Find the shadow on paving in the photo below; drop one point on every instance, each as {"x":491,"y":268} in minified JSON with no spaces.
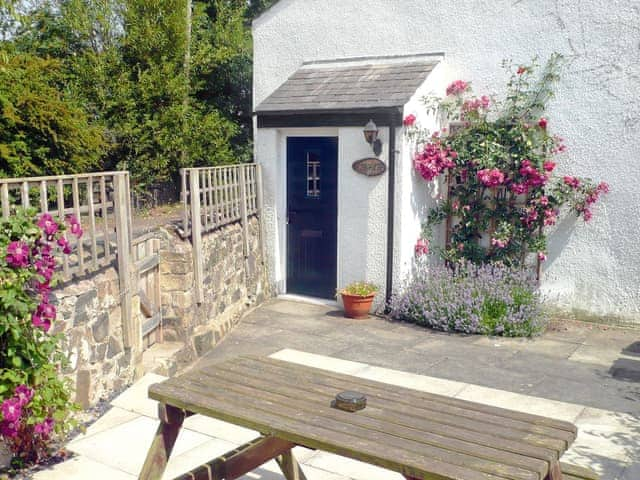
{"x":607,"y":448}
{"x":539,"y":367}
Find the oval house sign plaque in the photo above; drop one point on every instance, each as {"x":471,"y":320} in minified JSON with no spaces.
{"x":371,"y":167}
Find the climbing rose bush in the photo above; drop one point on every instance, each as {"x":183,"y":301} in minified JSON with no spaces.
{"x":501,"y":162}
{"x":490,"y":299}
{"x":35,"y":402}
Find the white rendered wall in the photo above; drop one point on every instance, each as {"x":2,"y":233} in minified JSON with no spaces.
{"x":593,"y":267}
{"x":362,"y":206}
{"x":414,"y":198}
{"x":362,"y":214}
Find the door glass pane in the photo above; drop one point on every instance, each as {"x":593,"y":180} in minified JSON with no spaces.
{"x":313,"y":175}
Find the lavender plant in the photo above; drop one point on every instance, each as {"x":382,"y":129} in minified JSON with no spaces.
{"x":491,"y":299}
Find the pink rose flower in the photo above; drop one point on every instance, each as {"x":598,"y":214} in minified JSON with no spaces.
{"x":422,"y":247}
{"x":457,"y":87}
{"x":542,"y":123}
{"x":573,"y":182}
{"x":433,"y":160}
{"x":491,"y":177}
{"x":496,"y":242}
{"x":542,"y":256}
{"x":519,"y":188}
{"x":409,"y":120}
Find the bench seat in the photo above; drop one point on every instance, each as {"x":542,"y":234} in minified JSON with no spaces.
{"x":573,"y":472}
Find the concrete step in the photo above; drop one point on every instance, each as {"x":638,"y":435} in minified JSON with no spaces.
{"x":162,"y":358}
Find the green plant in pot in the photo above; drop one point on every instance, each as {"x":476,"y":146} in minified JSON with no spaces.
{"x":357,"y":298}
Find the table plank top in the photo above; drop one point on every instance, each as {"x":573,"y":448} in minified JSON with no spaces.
{"x":415,"y":433}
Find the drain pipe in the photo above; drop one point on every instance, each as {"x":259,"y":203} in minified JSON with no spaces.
{"x":391,"y":208}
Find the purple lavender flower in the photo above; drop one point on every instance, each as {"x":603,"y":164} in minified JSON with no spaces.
{"x":491,"y":299}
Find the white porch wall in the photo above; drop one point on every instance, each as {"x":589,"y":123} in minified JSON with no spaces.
{"x":414,"y":197}
{"x":362,"y":214}
{"x":362,"y":206}
{"x":592,"y":267}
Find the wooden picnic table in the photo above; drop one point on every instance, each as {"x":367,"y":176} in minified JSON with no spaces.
{"x":418,"y":434}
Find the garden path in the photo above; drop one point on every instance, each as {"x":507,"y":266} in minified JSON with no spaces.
{"x":585,"y":374}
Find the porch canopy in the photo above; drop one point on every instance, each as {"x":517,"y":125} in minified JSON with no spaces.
{"x":346,"y":92}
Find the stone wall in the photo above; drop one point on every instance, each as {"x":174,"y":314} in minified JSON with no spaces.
{"x":90,"y":318}
{"x":89,"y":313}
{"x":231,"y":285}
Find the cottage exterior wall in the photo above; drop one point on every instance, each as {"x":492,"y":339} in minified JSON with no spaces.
{"x":591,"y":268}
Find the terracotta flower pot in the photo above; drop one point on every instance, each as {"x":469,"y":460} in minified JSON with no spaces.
{"x":356,"y":306}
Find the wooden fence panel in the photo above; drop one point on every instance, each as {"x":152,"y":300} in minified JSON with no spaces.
{"x":224,"y":195}
{"x":216,"y":196}
{"x":101,"y":204}
{"x":88,"y":197}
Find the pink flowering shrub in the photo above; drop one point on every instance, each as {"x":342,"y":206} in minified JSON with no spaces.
{"x":500,"y":160}
{"x":34,"y":401}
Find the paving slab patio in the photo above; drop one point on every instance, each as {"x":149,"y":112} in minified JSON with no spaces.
{"x":583,"y":364}
{"x":607,"y":416}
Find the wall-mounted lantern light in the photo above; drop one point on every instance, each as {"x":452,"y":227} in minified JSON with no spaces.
{"x":371,"y":136}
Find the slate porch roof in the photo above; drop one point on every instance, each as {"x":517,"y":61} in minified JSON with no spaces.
{"x":373,"y":83}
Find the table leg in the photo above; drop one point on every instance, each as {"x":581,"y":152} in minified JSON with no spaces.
{"x":555,"y":473}
{"x":171,"y":420}
{"x":290,"y":467}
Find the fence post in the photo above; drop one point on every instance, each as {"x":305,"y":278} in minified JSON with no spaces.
{"x":185,"y":205}
{"x":131,"y":332}
{"x":260,"y":206}
{"x":245,"y":222}
{"x":196,"y":233}
{"x":243,"y":210}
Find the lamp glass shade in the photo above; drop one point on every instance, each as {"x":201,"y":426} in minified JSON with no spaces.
{"x":370,"y":132}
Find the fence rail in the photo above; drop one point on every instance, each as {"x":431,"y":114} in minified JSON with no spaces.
{"x":216,"y":196}
{"x":90,"y":197}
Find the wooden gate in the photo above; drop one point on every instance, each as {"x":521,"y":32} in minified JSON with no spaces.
{"x":146,"y":257}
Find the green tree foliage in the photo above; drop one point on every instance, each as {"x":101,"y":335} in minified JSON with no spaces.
{"x":121,"y":65}
{"x":42,"y":130}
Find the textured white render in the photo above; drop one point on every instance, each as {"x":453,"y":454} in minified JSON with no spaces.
{"x":594,"y":267}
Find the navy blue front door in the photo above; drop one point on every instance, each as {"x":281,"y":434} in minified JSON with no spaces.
{"x":312,"y":215}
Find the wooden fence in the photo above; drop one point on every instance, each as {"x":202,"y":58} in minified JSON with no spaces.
{"x":101,"y":203}
{"x":216,"y":196}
